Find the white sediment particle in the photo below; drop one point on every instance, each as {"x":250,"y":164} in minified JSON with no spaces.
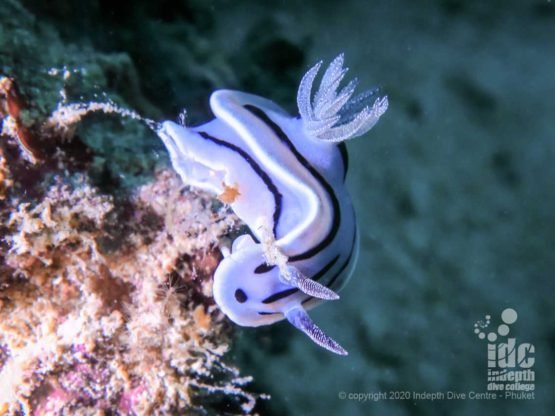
{"x":272,"y":254}
{"x":69,"y":330}
{"x":65,"y":71}
{"x":66,"y":116}
{"x":63,"y":94}
{"x":9,"y":127}
{"x":232,"y":390}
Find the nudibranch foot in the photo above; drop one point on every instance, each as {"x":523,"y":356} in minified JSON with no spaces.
{"x":300,"y":320}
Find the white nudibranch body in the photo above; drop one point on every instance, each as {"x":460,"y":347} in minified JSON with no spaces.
{"x":284,"y":178}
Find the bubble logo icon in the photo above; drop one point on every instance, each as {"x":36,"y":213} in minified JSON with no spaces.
{"x":508,"y":316}
{"x":509,"y":363}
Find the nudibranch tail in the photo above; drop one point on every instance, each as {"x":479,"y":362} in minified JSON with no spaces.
{"x":299,"y":318}
{"x":334,"y":116}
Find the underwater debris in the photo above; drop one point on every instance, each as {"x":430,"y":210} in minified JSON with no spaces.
{"x":30,"y":153}
{"x":133,"y":329}
{"x":105,"y":291}
{"x":64,"y":119}
{"x":5,"y":180}
{"x":106,"y":304}
{"x":11,"y":104}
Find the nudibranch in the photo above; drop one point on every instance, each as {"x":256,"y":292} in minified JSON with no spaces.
{"x":284,"y":177}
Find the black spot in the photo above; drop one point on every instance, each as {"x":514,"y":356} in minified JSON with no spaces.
{"x":453,"y":7}
{"x":279,"y":55}
{"x":504,"y":167}
{"x":414,"y":109}
{"x":544,"y":10}
{"x":474,"y":96}
{"x":268,"y":57}
{"x":263,"y":268}
{"x":240,"y":296}
{"x":405,"y":205}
